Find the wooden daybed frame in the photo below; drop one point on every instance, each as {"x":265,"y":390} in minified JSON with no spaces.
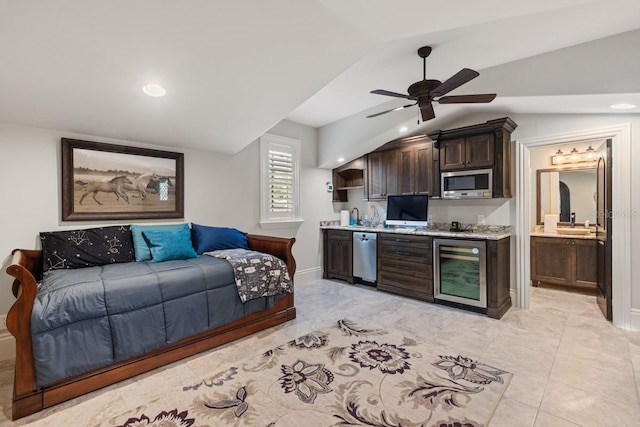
{"x":28,"y":398}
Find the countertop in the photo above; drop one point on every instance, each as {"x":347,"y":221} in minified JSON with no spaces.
{"x":485,"y":232}
{"x":591,"y":236}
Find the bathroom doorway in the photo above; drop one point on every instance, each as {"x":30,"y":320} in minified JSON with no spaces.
{"x":620,"y":224}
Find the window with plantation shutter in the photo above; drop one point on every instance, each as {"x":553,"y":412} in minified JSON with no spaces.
{"x":280,"y":174}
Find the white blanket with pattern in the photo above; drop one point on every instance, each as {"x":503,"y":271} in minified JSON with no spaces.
{"x":257,"y":274}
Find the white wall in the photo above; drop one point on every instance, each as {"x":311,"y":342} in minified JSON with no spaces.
{"x":219,"y":190}
{"x":223,"y":190}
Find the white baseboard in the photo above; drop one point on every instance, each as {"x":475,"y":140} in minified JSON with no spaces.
{"x":512,"y":295}
{"x":308,"y":275}
{"x":7,"y":346}
{"x":635,"y":319}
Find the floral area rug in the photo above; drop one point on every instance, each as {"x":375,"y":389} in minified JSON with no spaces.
{"x":344,"y":375}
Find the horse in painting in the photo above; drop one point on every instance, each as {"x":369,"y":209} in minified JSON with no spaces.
{"x":140,"y":184}
{"x":115,"y":186}
{"x":155,"y":184}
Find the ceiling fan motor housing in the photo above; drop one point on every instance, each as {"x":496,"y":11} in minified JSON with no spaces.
{"x":423,"y":88}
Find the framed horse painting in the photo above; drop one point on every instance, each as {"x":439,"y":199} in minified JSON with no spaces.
{"x":107,"y":181}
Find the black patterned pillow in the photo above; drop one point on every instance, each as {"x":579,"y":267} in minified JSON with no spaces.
{"x":86,"y":248}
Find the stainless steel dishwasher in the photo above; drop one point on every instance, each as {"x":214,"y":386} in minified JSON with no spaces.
{"x":364,"y":256}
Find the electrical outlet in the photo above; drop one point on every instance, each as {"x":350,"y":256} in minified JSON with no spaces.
{"x":3,"y":321}
{"x":480,"y":219}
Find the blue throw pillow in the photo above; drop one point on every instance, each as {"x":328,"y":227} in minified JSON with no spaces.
{"x":206,"y":238}
{"x":140,"y":245}
{"x":167,"y":245}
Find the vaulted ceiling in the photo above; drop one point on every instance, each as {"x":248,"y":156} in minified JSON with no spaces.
{"x":233,"y":69}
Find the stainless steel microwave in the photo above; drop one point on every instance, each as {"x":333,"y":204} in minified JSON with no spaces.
{"x":466,"y":184}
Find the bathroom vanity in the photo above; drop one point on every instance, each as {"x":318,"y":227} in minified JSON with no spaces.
{"x":564,"y":260}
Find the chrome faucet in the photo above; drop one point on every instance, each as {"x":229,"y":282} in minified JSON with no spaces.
{"x":573,"y":219}
{"x":357,"y":215}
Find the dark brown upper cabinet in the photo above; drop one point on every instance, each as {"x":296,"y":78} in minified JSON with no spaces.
{"x":382,"y":174}
{"x":417,"y":171}
{"x":412,"y":165}
{"x":481,"y":146}
{"x":404,"y":166}
{"x":471,"y":152}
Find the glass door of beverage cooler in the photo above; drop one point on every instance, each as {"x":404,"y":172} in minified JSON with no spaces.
{"x":460,"y":271}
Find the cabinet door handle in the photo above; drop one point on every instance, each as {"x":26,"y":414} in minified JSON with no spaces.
{"x":403,"y":267}
{"x":403,"y":253}
{"x":402,"y":240}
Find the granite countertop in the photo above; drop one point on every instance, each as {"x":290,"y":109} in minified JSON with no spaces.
{"x":471,"y":231}
{"x":563,"y":236}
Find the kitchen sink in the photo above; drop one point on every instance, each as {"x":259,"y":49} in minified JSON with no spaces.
{"x":574,"y":231}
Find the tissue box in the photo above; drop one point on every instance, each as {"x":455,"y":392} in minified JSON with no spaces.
{"x":550,"y":223}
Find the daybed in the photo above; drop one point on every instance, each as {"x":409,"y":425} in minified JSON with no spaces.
{"x":215,"y":318}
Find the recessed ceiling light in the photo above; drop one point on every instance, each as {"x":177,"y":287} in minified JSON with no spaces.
{"x":341,"y":159}
{"x":403,"y":129}
{"x":623,"y":106}
{"x":153,"y":89}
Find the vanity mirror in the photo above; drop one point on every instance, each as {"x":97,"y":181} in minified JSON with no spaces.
{"x":563,"y":191}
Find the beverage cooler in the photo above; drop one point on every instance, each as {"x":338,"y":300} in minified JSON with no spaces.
{"x":460,"y":271}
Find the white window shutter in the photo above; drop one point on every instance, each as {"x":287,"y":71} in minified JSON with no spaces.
{"x":280,"y":175}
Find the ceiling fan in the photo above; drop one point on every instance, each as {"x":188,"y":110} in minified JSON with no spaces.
{"x":426,"y":91}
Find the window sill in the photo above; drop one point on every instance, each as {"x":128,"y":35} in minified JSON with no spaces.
{"x":284,"y":223}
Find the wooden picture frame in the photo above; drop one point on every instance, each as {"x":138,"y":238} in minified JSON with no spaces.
{"x":111,"y":182}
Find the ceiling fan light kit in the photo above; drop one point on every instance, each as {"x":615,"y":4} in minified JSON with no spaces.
{"x":427,"y":91}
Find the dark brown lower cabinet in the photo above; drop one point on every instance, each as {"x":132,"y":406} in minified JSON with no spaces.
{"x":338,"y":255}
{"x":405,"y":265}
{"x":564,"y":262}
{"x":498,"y":277}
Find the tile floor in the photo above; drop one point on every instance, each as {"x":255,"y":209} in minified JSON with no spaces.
{"x":572,"y":368}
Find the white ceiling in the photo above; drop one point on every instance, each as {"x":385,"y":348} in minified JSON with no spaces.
{"x":232,"y":70}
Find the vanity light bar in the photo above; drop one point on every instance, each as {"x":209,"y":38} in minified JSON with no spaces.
{"x":575,"y":156}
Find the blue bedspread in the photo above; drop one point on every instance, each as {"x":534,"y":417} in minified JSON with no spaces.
{"x":91,"y":317}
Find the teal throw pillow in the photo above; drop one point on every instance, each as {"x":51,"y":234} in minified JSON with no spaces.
{"x":167,"y":245}
{"x":140,"y":245}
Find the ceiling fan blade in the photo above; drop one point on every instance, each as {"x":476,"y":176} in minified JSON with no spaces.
{"x":393,"y":109}
{"x":455,"y":81}
{"x":464,"y":99}
{"x":389,"y":93}
{"x":427,"y":112}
